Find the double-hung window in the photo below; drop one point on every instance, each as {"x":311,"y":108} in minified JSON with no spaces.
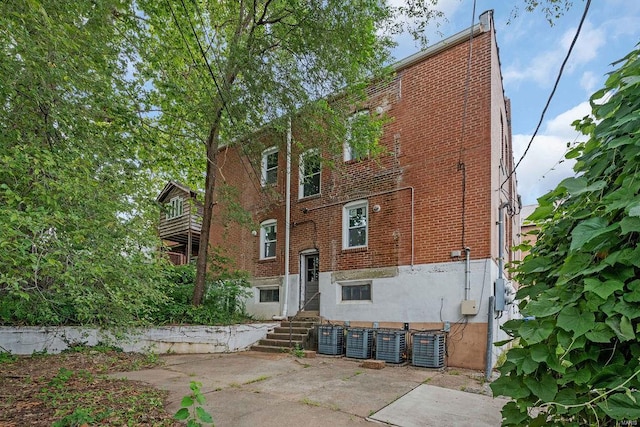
{"x":268,"y":239}
{"x":175,"y":208}
{"x":353,"y":144}
{"x":270,"y":166}
{"x":309,"y":174}
{"x":355,"y":224}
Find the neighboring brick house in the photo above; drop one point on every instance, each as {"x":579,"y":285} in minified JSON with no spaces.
{"x":386,"y":240}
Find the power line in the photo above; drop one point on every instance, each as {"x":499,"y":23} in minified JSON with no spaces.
{"x":555,"y":86}
{"x":204,"y":57}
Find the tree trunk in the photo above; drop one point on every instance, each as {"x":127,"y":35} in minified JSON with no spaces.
{"x":207,"y":215}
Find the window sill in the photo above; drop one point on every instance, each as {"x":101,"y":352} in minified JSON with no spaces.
{"x":357,"y":301}
{"x":266,"y":260}
{"x":312,"y":197}
{"x":354,"y":250}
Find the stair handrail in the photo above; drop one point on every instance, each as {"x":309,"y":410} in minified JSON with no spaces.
{"x":301,"y":309}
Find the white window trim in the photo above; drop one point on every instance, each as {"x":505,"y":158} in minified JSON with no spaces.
{"x":345,"y":223}
{"x":348,"y":154}
{"x":355,"y":301}
{"x":263,"y":236}
{"x":176,"y":207}
{"x":301,"y":175}
{"x":265,"y":155}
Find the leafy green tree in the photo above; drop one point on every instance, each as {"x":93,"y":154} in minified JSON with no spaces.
{"x":76,"y":239}
{"x":221,"y":70}
{"x":577,"y":358}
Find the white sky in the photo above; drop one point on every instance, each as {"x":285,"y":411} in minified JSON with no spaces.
{"x":531,"y":52}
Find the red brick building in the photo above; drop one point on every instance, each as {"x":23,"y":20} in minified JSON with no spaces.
{"x":411,"y":236}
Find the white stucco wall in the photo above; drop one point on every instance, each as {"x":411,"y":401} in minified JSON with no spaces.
{"x":177,"y":339}
{"x":267,"y":310}
{"x":424,"y":293}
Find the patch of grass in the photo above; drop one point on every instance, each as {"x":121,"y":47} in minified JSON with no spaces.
{"x":297,"y":351}
{"x":454,"y":372}
{"x":86,"y":349}
{"x":7,"y":357}
{"x":427,"y":381}
{"x":257,"y":380}
{"x":310,"y":402}
{"x":235,"y":385}
{"x":355,"y":374}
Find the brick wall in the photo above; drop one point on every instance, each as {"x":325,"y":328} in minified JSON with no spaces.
{"x":433,"y":148}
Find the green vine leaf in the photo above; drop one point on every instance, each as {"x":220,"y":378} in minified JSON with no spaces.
{"x":535,"y":331}
{"x":600,"y":333}
{"x":588,"y":230}
{"x":545,"y":387}
{"x":603,"y":289}
{"x":621,"y":406}
{"x":572,"y":319}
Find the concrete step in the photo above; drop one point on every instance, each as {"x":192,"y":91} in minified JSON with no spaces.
{"x":294,"y":330}
{"x":269,"y":349}
{"x":285,"y":336}
{"x":298,"y":324}
{"x":280,"y":343}
{"x":315,"y":314}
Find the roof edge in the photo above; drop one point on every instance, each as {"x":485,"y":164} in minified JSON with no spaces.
{"x":485,"y":25}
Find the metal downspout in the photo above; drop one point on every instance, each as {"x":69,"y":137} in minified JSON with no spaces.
{"x":287,"y":221}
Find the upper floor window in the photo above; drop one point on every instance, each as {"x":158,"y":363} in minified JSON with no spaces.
{"x":175,"y":207}
{"x":270,"y":166}
{"x":355,"y":224}
{"x":309,"y":174}
{"x":353,"y":149}
{"x":268,"y":239}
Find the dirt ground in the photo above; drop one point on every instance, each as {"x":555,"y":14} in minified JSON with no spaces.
{"x":71,"y":389}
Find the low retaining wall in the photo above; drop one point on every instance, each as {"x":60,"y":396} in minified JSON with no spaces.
{"x":168,"y":339}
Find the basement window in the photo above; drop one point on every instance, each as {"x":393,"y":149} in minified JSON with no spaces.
{"x":356,"y":292}
{"x":270,"y":295}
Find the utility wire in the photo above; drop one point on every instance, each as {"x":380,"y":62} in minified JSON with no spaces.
{"x":555,"y":86}
{"x":184,"y":39}
{"x":204,"y":57}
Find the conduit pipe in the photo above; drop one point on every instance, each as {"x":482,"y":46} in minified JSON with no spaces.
{"x":467,"y":273}
{"x":501,"y":239}
{"x":489,"y":363}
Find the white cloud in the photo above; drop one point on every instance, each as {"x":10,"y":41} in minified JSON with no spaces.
{"x":543,"y":67}
{"x":560,"y":125}
{"x":545,"y":166}
{"x":589,"y":81}
{"x":589,"y":41}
